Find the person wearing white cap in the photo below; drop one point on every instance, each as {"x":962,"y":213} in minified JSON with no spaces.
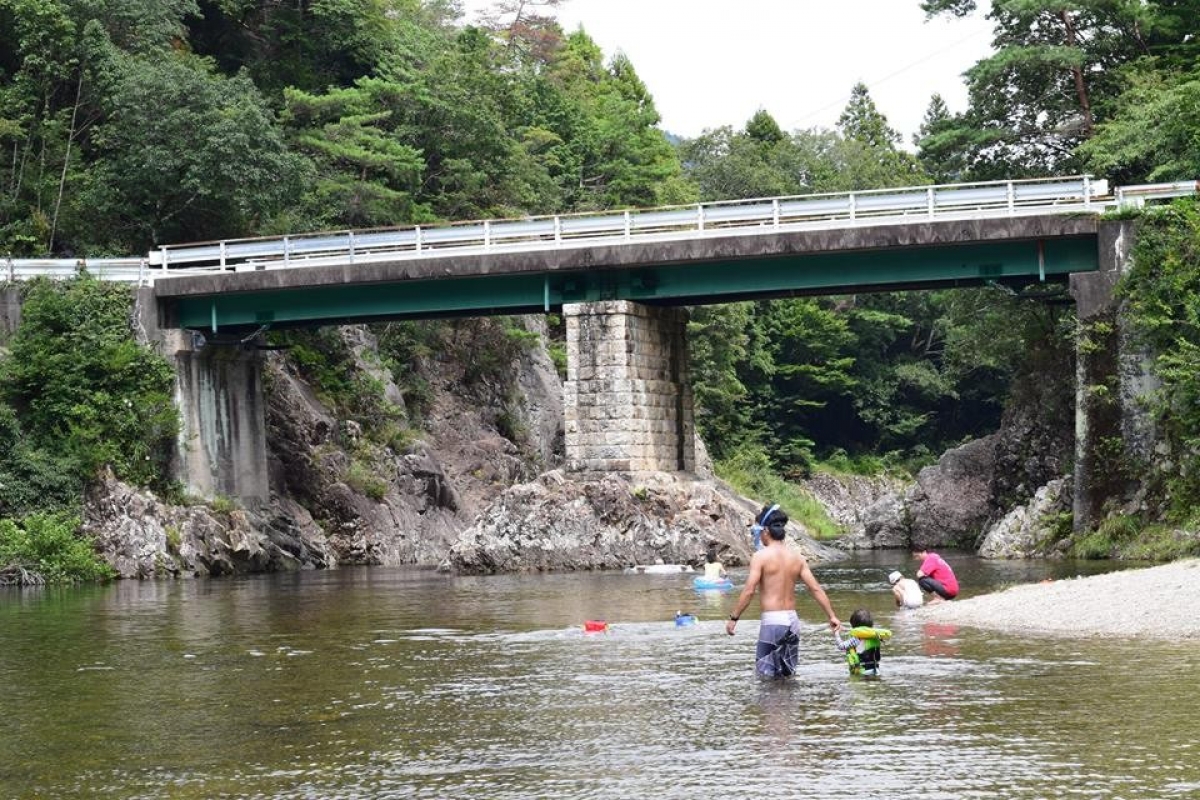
{"x":905,"y":590}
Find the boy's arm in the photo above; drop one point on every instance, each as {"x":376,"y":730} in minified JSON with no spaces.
{"x":747,"y":593}
{"x":814,"y":588}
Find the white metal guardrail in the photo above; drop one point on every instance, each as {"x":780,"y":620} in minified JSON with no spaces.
{"x":992,"y":199}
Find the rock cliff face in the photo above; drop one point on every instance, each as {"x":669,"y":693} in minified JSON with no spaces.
{"x":142,"y":537}
{"x":424,"y":495}
{"x":998,"y":480}
{"x":479,"y":490}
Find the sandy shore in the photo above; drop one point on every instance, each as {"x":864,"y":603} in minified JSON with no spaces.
{"x":1156,"y":601}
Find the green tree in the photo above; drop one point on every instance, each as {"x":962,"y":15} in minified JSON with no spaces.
{"x":623,"y":158}
{"x":367,"y":176}
{"x":83,"y":389}
{"x":719,"y":347}
{"x":763,"y":128}
{"x":1051,"y":79}
{"x":1152,"y":134}
{"x":942,"y":143}
{"x":311,"y":45}
{"x":56,"y":74}
{"x":870,"y":146}
{"x":185,"y":154}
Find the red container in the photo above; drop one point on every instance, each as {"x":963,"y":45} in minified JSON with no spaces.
{"x":595,"y":626}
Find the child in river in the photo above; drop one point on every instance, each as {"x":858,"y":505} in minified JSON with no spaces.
{"x":905,"y":590}
{"x":714,"y":570}
{"x":862,"y":645}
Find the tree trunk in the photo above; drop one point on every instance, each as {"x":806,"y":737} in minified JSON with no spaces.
{"x":62,"y":179}
{"x":1080,"y":87}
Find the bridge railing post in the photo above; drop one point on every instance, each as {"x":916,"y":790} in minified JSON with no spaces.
{"x":222,"y":254}
{"x":628,"y":225}
{"x":931,"y":202}
{"x":164,"y":253}
{"x":12,"y":274}
{"x":487,"y":235}
{"x":1087,"y":191}
{"x":557,"y":230}
{"x":775,"y":213}
{"x":700,"y":217}
{"x":287,"y":252}
{"x":350,"y":245}
{"x":853,"y":200}
{"x":418,"y":230}
{"x":1011,"y":193}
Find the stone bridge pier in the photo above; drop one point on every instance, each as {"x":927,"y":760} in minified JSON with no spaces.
{"x":628,"y":401}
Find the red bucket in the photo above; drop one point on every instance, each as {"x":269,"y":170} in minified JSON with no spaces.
{"x":595,"y":626}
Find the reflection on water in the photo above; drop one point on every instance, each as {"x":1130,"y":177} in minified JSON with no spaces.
{"x":378,"y":683}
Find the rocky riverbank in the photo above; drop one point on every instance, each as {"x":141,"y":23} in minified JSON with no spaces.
{"x":1157,"y":602}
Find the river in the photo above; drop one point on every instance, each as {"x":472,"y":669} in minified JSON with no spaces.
{"x":404,"y":683}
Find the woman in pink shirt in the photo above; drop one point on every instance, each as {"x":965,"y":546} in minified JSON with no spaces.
{"x":935,"y":576}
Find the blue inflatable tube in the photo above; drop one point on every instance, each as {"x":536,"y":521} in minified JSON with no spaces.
{"x":701,"y":582}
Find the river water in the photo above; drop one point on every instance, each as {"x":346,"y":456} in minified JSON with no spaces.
{"x":398,"y":683}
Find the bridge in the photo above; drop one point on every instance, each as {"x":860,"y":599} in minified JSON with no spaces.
{"x":620,"y":279}
{"x":926,"y":236}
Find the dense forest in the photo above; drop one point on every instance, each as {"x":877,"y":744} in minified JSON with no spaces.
{"x":125,"y":124}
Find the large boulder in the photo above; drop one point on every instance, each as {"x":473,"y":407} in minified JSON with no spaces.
{"x":611,"y":522}
{"x":949,"y":505}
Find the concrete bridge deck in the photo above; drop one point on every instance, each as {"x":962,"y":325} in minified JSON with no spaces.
{"x":717,"y":268}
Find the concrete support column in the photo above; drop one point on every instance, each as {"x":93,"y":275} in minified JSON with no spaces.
{"x":222,"y":447}
{"x":628,"y":403}
{"x":10,"y":312}
{"x":1114,"y":431}
{"x":223,"y":441}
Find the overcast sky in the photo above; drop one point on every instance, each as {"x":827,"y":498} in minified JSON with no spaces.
{"x":715,"y":62}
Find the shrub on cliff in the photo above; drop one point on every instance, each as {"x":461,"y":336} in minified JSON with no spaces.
{"x":1163,"y":295}
{"x":46,"y":548}
{"x":80,"y":393}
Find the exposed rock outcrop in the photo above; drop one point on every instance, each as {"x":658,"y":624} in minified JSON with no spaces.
{"x":141,"y":537}
{"x":1031,"y":529}
{"x":948,"y":505}
{"x":955,"y":502}
{"x":611,"y":522}
{"x":846,"y":498}
{"x":380,"y":506}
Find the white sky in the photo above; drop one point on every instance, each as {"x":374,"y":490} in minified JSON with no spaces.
{"x":715,"y":62}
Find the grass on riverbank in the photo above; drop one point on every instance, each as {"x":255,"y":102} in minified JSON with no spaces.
{"x":750,"y":474}
{"x":1128,"y":538}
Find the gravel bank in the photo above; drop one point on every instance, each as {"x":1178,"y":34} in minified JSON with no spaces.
{"x":1159,"y":602}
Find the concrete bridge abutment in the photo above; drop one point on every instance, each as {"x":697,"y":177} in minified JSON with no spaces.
{"x":1115,"y":432}
{"x":628,"y":401}
{"x":222,"y":446}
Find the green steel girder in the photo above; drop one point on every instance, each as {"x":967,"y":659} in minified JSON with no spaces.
{"x":662,"y":284}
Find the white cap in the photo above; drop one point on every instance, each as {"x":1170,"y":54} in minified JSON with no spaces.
{"x":894,"y":576}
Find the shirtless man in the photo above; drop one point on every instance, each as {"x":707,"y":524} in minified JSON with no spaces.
{"x":776,"y":568}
